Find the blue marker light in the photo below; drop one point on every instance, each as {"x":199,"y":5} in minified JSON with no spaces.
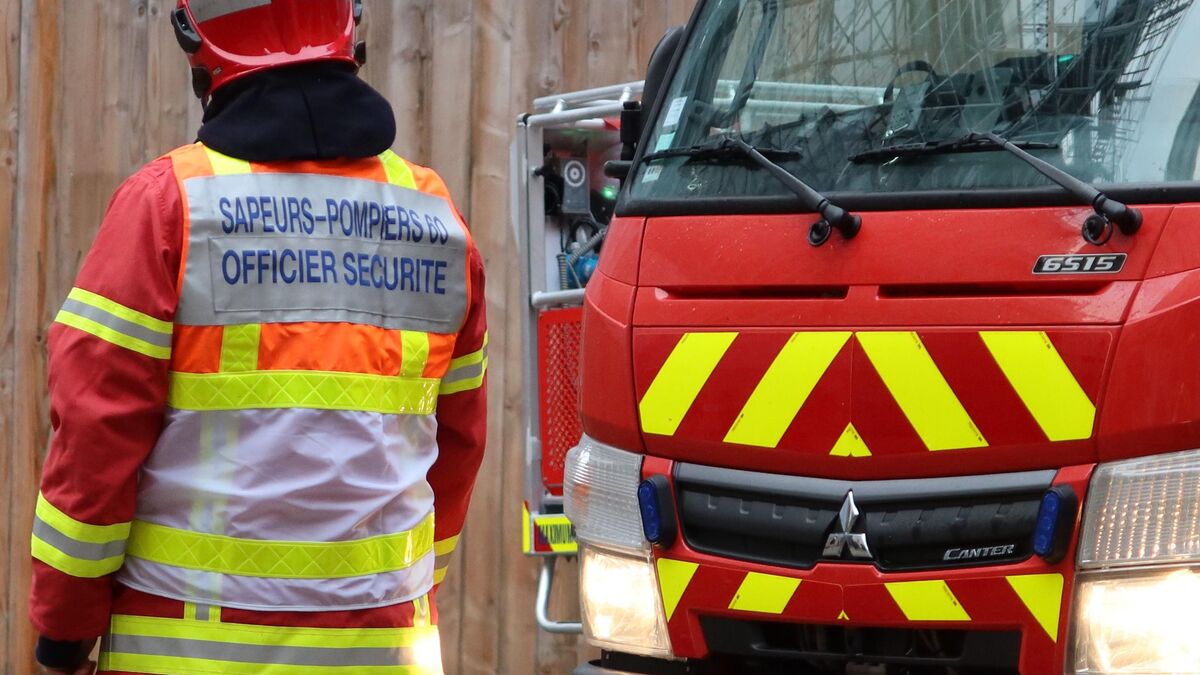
{"x":1047,"y":523}
{"x":651,"y":512}
{"x":1055,"y":523}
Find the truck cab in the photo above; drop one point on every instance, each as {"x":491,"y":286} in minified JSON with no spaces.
{"x":891,"y":360}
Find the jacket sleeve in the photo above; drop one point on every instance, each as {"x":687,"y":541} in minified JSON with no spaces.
{"x":462,"y":425}
{"x":109,"y":350}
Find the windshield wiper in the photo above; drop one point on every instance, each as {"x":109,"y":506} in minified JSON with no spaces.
{"x":969,"y":143}
{"x":1097,"y":229}
{"x":833,"y":217}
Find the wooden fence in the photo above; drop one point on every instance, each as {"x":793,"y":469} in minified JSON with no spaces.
{"x":91,"y":89}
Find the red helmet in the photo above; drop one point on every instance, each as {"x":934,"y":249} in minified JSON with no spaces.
{"x":228,"y":39}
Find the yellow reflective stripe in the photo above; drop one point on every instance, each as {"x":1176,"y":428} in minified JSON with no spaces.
{"x":70,"y":565}
{"x":674,"y":576}
{"x":764,"y":593}
{"x":398,"y":171}
{"x":680,"y":380}
{"x":1044,"y":383}
{"x":280,"y":559}
{"x":526,"y":530}
{"x":445,"y":546}
{"x":415,"y":356}
{"x":239,"y":348}
{"x":785,"y":387}
{"x":472,"y":358}
{"x":224,"y":165}
{"x":1042,"y":595}
{"x":466,"y":372}
{"x":112,"y":336}
{"x":921,"y":391}
{"x":558,"y":532}
{"x":80,"y":531}
{"x":244,"y":634}
{"x":439,"y":575}
{"x":189,"y":611}
{"x":180,"y":665}
{"x":214,"y":615}
{"x":121,"y":311}
{"x":927,"y":601}
{"x":303,"y":389}
{"x":850,"y":444}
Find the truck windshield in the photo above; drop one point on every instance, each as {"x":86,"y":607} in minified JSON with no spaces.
{"x":1107,"y":90}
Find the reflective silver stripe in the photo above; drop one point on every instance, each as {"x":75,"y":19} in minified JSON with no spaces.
{"x":82,"y":550}
{"x":202,"y":612}
{"x":333,"y":249}
{"x":263,"y":654}
{"x":117,"y":323}
{"x":466,"y":372}
{"x":442,"y":561}
{"x":207,"y":10}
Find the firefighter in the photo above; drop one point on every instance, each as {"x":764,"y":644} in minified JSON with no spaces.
{"x":268,"y":383}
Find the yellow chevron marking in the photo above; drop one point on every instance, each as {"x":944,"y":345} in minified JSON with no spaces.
{"x":1042,"y":595}
{"x":843,"y":616}
{"x":764,"y":593}
{"x":558,"y":532}
{"x":850,"y":444}
{"x":526,"y":527}
{"x":1046,"y":386}
{"x":673,"y":578}
{"x":921,"y":391}
{"x":784,"y":389}
{"x":680,"y":379}
{"x":927,"y":601}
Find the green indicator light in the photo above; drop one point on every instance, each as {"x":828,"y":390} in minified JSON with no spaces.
{"x":609,"y":192}
{"x":1066,"y":58}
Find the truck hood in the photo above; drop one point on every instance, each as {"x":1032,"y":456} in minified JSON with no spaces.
{"x":927,"y":345}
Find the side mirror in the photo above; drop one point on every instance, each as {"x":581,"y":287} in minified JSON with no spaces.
{"x":633,"y":117}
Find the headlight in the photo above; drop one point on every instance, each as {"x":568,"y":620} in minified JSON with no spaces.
{"x":621,"y":606}
{"x":621,"y":603}
{"x":1139,"y":624}
{"x":1138,"y":601}
{"x":600,"y":485}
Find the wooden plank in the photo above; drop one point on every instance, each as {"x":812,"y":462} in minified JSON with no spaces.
{"x":449,"y":83}
{"x":611,"y":51}
{"x":484,"y":560}
{"x":447,"y":121}
{"x":167,"y":100}
{"x":679,"y":11}
{"x":397,"y":58}
{"x":571,"y":18}
{"x":34,"y":211}
{"x":650,"y":22}
{"x":518,"y":575}
{"x":10,"y":101}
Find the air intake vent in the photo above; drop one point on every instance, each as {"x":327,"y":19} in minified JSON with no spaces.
{"x":909,"y":524}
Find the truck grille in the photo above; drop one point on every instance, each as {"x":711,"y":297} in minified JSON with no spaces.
{"x":766,"y":647}
{"x":909,"y":524}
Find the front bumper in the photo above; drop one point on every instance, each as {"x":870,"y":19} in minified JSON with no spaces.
{"x":1018,"y":607}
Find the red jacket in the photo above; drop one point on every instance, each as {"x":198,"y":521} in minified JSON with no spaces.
{"x":108,"y":400}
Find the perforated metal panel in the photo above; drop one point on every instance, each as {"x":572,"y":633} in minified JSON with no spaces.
{"x":559,"y":333}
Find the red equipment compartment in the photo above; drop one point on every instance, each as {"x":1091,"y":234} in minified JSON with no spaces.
{"x":559,"y":337}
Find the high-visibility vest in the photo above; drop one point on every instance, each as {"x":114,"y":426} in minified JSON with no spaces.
{"x":318,"y":310}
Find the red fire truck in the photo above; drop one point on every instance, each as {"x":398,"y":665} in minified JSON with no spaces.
{"x":891,"y":360}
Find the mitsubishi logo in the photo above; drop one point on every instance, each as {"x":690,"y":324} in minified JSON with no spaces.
{"x":838,"y":542}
